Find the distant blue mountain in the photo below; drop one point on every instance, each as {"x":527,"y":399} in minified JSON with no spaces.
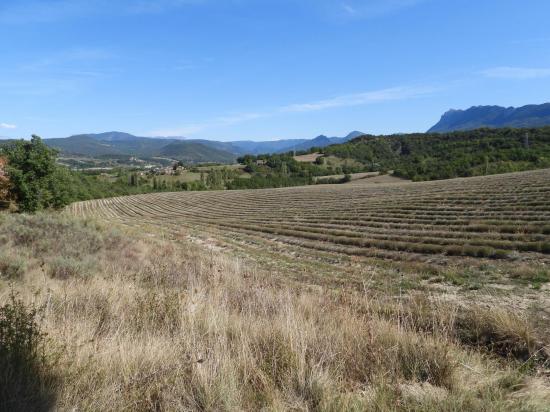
{"x":494,"y":116}
{"x":189,"y":150}
{"x":241,"y":147}
{"x":323,"y":141}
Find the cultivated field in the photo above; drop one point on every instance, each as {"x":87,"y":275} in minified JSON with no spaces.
{"x":501,"y":220}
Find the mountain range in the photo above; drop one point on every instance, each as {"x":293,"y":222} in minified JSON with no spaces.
{"x":494,"y":116}
{"x":117,"y":144}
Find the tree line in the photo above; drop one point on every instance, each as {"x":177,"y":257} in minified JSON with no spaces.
{"x":422,"y":156}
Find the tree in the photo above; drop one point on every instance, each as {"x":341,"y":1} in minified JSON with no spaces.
{"x":284,"y":170}
{"x":36,"y":182}
{"x":4,"y":182}
{"x":134,"y":179}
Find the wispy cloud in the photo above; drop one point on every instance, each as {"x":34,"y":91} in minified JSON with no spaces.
{"x":63,"y":71}
{"x":516,"y":73}
{"x":532,"y":40}
{"x":45,"y":11}
{"x":72,"y":58}
{"x":159,"y":6}
{"x":347,"y":100}
{"x":359,"y":99}
{"x":370,"y":9}
{"x":33,"y":11}
{"x":44,"y":86}
{"x":7,"y":126}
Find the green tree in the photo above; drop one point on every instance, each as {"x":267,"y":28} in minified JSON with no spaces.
{"x":36,"y":181}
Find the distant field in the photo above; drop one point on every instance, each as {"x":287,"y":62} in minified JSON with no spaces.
{"x":235,"y":166}
{"x":183,"y":177}
{"x":502,"y":218}
{"x":308,"y":158}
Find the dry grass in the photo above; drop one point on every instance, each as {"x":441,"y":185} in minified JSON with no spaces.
{"x":153,"y":325}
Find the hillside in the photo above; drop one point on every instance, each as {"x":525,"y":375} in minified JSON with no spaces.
{"x":428,"y":296}
{"x":421,"y":156}
{"x":494,"y":116}
{"x":192,"y":151}
{"x":114,"y":144}
{"x":83,"y":145}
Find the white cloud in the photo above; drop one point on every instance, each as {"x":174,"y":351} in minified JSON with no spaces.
{"x":516,"y":73}
{"x":359,"y":99}
{"x":7,"y":126}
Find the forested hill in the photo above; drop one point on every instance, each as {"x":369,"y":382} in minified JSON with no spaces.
{"x":532,"y":115}
{"x":446,"y":155}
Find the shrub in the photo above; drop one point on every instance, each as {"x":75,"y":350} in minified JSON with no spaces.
{"x":66,"y":267}
{"x":25,"y":377}
{"x":426,"y":361}
{"x":498,"y":331}
{"x":545,"y":247}
{"x":11,"y":267}
{"x":454,"y":250}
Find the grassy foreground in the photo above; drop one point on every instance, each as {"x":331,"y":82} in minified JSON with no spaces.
{"x":127,"y":321}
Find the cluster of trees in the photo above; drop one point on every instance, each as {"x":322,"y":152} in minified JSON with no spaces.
{"x":281,"y":170}
{"x":448,"y":155}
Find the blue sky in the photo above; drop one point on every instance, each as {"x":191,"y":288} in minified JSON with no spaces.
{"x":263,"y":69}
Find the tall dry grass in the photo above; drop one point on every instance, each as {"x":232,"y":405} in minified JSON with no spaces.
{"x":138,"y":323}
